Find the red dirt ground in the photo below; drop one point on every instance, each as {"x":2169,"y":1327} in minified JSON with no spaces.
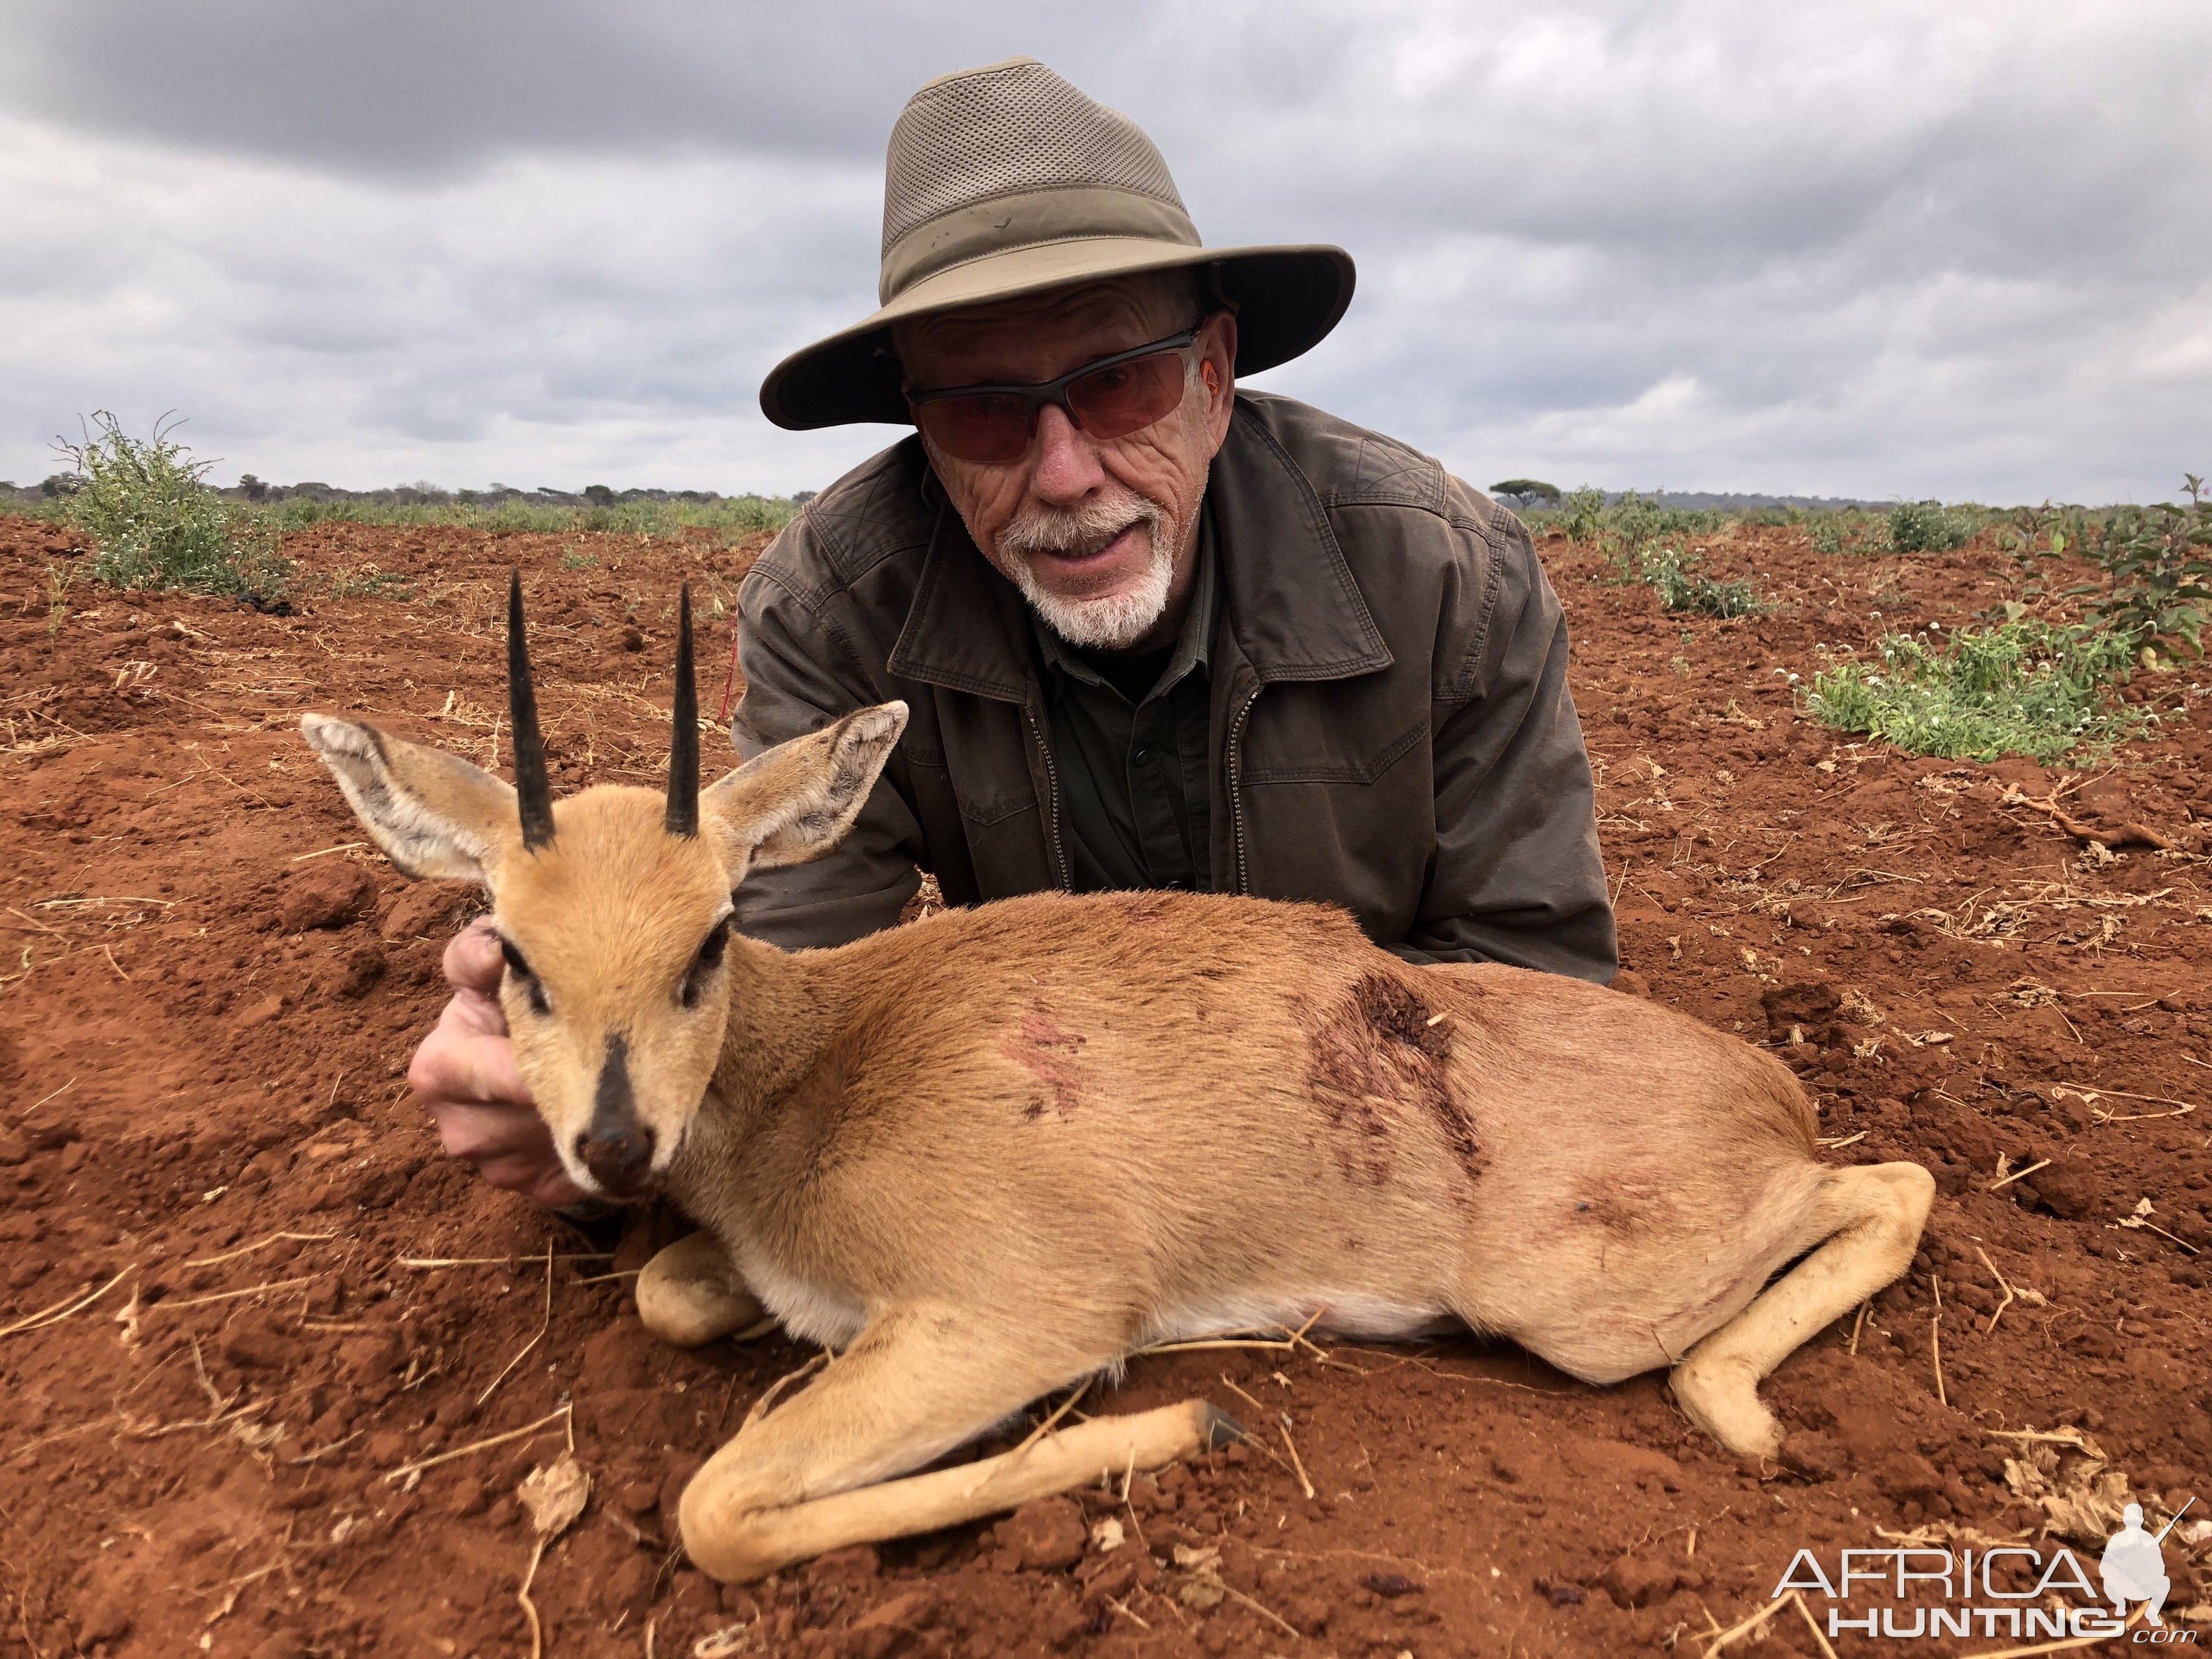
{"x":209,"y":997}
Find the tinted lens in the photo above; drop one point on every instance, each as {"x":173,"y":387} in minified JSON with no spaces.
{"x":990,"y":427}
{"x":1118,"y":400}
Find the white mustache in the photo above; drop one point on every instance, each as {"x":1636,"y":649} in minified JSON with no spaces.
{"x":1079,"y":531}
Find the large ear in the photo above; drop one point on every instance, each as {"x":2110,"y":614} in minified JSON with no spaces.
{"x":433,"y":813}
{"x":797,"y":800}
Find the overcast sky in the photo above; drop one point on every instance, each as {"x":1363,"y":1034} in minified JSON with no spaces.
{"x":1961,"y":249}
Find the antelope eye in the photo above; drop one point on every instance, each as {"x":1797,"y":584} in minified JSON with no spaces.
{"x":534,"y":991}
{"x":704,"y":965}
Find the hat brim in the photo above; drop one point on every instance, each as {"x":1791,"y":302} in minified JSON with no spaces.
{"x":1287,"y":300}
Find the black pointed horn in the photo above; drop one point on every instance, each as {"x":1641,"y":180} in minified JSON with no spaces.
{"x":683,"y":749}
{"x":533,"y":792}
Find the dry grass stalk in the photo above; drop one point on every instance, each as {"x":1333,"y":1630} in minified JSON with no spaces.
{"x":1298,"y":1336}
{"x":1936,"y":1341}
{"x":1267,"y":1613}
{"x":485,"y":1444}
{"x":1754,"y":1626}
{"x":545,"y":1325}
{"x":1241,"y":1395}
{"x":529,"y":1608}
{"x":1217,"y":1342}
{"x":343,"y":847}
{"x":2089,"y":1094}
{"x":425,"y":1263}
{"x":1814,"y":1625}
{"x":1298,"y":1463}
{"x":1858,"y":1325}
{"x":321,"y":1452}
{"x":64,"y":1307}
{"x":58,"y":1093}
{"x":2002,"y":1283}
{"x":250,"y":1289}
{"x":248,"y":1249}
{"x":2007,"y":1181}
{"x":1133,"y":1618}
{"x":1035,"y":1435}
{"x":774,"y":1390}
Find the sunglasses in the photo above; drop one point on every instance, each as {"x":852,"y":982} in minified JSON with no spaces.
{"x":1111,"y":397}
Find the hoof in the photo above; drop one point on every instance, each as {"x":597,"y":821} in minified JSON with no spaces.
{"x":1721,"y":1396}
{"x":690,"y":1294}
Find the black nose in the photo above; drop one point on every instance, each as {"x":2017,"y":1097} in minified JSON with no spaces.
{"x":617,"y":1153}
{"x":617,"y":1148}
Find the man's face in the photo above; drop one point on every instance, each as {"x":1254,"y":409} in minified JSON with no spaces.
{"x":1098,"y":534}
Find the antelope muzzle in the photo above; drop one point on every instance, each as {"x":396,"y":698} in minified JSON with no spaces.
{"x":617,"y":1146}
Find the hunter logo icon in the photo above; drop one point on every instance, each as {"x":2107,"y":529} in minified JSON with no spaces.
{"x":2134,"y":1564}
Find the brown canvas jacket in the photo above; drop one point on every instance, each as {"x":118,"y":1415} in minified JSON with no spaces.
{"x":1391,"y":727}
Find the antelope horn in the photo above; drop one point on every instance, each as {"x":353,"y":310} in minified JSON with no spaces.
{"x":684,"y":749}
{"x":533,"y":792}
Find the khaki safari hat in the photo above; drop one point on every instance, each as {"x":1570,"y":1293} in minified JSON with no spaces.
{"x":1006,"y":180}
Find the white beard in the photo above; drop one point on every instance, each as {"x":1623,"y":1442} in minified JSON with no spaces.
{"x":1115,"y":620}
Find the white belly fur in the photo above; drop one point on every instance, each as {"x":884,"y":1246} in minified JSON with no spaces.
{"x":1354,"y":1314}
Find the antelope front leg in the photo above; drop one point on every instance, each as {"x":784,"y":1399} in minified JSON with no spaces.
{"x":690,"y":1293}
{"x":915,"y":1384}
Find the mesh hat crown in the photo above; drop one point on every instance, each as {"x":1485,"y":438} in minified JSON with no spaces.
{"x":1007,"y":180}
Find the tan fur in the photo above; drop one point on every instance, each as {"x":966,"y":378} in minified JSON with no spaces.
{"x":991,"y":1153}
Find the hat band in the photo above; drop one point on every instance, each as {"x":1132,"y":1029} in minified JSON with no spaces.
{"x":1008,"y":224}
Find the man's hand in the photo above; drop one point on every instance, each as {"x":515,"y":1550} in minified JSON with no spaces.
{"x":464,"y":1073}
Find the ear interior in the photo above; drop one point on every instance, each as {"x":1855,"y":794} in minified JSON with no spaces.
{"x":797,"y":800}
{"x":433,"y":814}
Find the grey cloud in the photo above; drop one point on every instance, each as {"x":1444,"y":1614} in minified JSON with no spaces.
{"x":1850,"y":249}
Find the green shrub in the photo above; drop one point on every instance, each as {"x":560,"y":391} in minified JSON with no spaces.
{"x":1673,"y":576}
{"x":145,"y":505}
{"x":2023,"y":687}
{"x":2157,"y":562}
{"x":1581,"y":512}
{"x":1926,"y":527}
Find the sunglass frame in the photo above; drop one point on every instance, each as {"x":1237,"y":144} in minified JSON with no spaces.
{"x":1035,"y":398}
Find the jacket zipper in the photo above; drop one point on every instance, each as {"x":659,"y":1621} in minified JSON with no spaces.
{"x":1236,"y":795}
{"x":1052,"y":802}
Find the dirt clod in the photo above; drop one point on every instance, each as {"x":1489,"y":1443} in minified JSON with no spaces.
{"x":329,"y":893}
{"x":1046,"y":1534}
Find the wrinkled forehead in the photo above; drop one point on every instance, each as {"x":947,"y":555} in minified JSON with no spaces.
{"x":1040,"y":336}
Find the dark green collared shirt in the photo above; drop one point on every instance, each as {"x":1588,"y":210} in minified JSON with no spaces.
{"x":1128,"y":742}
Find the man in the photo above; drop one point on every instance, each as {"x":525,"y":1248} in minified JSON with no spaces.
{"x":1153,"y":633}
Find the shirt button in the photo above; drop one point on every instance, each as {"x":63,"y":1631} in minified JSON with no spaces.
{"x":1144,"y":757}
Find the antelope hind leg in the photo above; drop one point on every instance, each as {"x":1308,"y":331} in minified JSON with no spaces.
{"x":690,"y":1293}
{"x":814,"y":1475}
{"x":1880,"y":1209}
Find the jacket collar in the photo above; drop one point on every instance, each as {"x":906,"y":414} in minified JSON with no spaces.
{"x":1287,"y":595}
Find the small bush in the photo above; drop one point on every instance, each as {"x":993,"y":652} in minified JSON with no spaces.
{"x":2157,"y":561}
{"x":1680,"y":586}
{"x":2024,"y":687}
{"x":145,"y":505}
{"x":1926,"y":527}
{"x":1581,"y":514}
{"x":1838,"y":530}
